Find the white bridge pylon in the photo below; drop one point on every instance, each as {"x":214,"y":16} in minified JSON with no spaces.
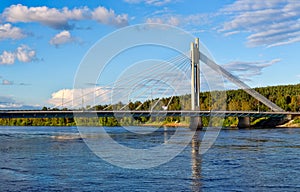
{"x":195,"y":75}
{"x":234,"y":80}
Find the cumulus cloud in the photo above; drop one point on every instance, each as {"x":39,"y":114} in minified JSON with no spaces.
{"x":7,"y":31}
{"x":51,"y":17}
{"x":108,"y":17}
{"x":245,"y":70}
{"x":23,"y":54}
{"x":7,"y":58}
{"x":75,"y":98}
{"x":61,"y":38}
{"x":268,"y":23}
{"x":60,"y":18}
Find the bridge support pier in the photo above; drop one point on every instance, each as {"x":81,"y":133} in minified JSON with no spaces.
{"x":196,"y":123}
{"x":244,"y":122}
{"x":292,"y":116}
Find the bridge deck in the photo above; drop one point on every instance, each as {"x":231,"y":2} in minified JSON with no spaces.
{"x":71,"y":114}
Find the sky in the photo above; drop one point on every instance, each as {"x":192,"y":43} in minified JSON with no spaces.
{"x":44,"y":42}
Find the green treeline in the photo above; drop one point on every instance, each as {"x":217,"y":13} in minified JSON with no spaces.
{"x":287,"y":97}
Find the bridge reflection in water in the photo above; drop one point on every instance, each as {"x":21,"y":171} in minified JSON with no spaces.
{"x":196,"y":159}
{"x":196,"y":162}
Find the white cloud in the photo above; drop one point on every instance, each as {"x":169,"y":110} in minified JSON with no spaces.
{"x":245,"y":70}
{"x":246,"y":5}
{"x":7,"y":31}
{"x":108,"y":17}
{"x":149,"y":2}
{"x":61,"y":38}
{"x":231,"y":33}
{"x":9,"y":103}
{"x":23,"y":54}
{"x":180,"y":20}
{"x":7,"y":82}
{"x":60,"y":18}
{"x":288,"y":41}
{"x":172,"y":20}
{"x":75,"y":98}
{"x":51,"y":17}
{"x":7,"y":58}
{"x":133,"y":1}
{"x":268,"y":23}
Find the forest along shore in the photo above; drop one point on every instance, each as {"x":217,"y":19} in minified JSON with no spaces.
{"x":285,"y":96}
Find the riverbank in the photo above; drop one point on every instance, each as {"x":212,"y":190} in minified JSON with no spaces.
{"x":295,"y":123}
{"x":290,"y":124}
{"x":170,"y":124}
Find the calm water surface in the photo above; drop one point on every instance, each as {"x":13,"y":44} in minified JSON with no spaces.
{"x":57,"y":159}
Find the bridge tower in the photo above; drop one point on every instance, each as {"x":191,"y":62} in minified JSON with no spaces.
{"x":196,"y":122}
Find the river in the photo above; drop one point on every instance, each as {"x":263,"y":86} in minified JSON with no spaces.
{"x":57,"y":159}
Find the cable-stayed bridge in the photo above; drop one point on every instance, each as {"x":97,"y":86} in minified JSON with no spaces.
{"x":177,"y":76}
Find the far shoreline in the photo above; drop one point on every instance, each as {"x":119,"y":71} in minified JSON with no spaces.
{"x":289,"y":124}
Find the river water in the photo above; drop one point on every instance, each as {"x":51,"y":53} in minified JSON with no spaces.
{"x":57,"y":159}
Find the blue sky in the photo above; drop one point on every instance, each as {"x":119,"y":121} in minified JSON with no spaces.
{"x":43,"y":42}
